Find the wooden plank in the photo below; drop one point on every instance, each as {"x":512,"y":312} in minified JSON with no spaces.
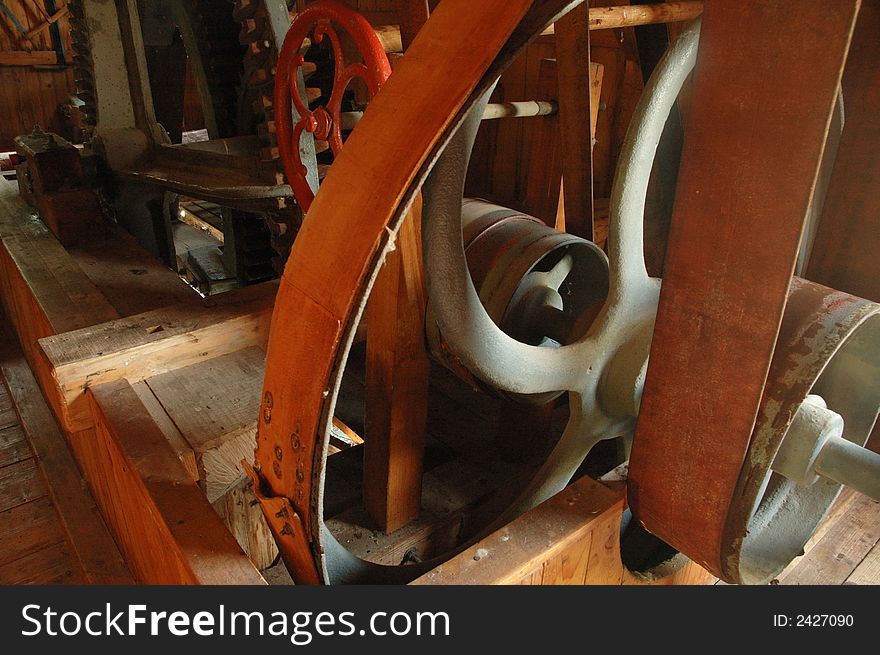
{"x":160,"y":518}
{"x":43,"y":291}
{"x":28,"y":528}
{"x":215,"y":405}
{"x":20,"y":483}
{"x":32,"y":58}
{"x":868,"y":571}
{"x":844,"y":250}
{"x":723,"y":295}
{"x":88,"y":537}
{"x":835,"y":557}
{"x":604,"y":564}
{"x":13,"y":446}
{"x":48,"y":22}
{"x":508,"y":141}
{"x":110,"y":268}
{"x":543,"y":184}
{"x":175,"y":439}
{"x":131,"y":279}
{"x":513,"y":552}
{"x":29,"y":97}
{"x":569,"y":567}
{"x":397,"y":382}
{"x":53,"y":564}
{"x":241,"y":513}
{"x":8,"y":417}
{"x":63,"y":294}
{"x":575,"y":102}
{"x":148,"y":344}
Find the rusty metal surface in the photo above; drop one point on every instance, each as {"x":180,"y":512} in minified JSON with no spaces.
{"x":759,"y":114}
{"x":829,"y":345}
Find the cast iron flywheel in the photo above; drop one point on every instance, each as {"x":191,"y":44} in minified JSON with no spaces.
{"x":418,"y":132}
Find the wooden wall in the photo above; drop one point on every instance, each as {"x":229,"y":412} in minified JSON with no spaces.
{"x":508,"y":151}
{"x":30,"y":93}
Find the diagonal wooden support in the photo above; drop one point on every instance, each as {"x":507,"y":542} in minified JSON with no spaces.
{"x":756,"y":132}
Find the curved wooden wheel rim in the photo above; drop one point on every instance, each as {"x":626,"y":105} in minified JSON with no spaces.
{"x":320,"y":300}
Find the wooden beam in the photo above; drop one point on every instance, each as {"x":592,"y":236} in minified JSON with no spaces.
{"x":141,"y":346}
{"x":161,"y":519}
{"x":32,"y":58}
{"x":396,"y":382}
{"x":215,"y":405}
{"x":606,"y":18}
{"x":844,"y":253}
{"x":48,"y":22}
{"x":544,"y":181}
{"x":575,"y":102}
{"x":412,"y":14}
{"x":571,"y":539}
{"x":397,"y":361}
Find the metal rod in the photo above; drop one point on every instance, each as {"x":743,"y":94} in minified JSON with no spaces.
{"x":519,"y":109}
{"x":348,"y":119}
{"x":850,"y":464}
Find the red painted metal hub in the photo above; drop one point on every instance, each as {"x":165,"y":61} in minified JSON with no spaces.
{"x":321,"y":20}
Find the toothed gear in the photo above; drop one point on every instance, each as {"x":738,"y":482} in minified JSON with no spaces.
{"x":256,"y":115}
{"x":83,"y":67}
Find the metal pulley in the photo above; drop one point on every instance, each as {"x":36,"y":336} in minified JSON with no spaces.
{"x":820,"y":403}
{"x":540,"y":286}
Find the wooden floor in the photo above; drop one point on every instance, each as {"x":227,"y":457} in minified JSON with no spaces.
{"x":50,"y":530}
{"x":846,"y":550}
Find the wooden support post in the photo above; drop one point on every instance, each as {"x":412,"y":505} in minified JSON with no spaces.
{"x":396,"y":383}
{"x":544,"y":182}
{"x":412,"y":15}
{"x":397,"y":362}
{"x":573,"y":73}
{"x":845,"y":247}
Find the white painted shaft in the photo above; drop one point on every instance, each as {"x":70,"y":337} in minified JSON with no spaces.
{"x":814,"y":446}
{"x":848,"y":463}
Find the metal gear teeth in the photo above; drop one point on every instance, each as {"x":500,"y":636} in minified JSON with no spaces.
{"x":84,"y":76}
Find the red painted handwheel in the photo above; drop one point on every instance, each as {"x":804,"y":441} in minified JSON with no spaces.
{"x":321,"y":20}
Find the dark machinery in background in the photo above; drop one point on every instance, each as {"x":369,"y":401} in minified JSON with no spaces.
{"x":135,"y":114}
